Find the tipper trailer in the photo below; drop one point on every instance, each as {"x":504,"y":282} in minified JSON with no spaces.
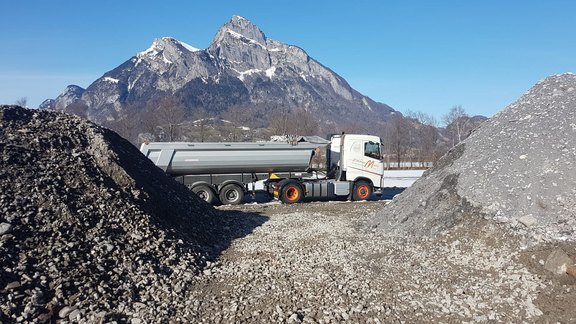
{"x":352,"y":168}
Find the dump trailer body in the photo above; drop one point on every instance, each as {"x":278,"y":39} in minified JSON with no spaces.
{"x":177,"y":158}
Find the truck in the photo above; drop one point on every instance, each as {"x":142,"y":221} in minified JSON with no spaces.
{"x":351,"y":166}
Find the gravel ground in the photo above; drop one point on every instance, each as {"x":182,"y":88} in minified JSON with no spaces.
{"x":91,"y":231}
{"x":315,"y":262}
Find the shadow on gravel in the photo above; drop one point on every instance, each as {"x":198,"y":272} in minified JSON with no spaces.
{"x":386,"y":194}
{"x":173,"y":207}
{"x":236,"y":224}
{"x":389,"y":193}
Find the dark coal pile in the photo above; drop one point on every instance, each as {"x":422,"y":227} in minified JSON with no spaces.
{"x":518,"y":169}
{"x":90,"y":230}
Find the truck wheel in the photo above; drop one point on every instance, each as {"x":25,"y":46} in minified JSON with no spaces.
{"x":205,"y":193}
{"x":362,"y":191}
{"x":231,"y":194}
{"x":291,"y":193}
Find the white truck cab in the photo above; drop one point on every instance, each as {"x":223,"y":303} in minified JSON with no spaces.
{"x":358,"y":157}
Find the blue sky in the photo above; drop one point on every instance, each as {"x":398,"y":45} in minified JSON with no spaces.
{"x":413,"y":55}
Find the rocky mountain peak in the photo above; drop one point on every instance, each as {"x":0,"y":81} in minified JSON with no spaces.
{"x":71,"y":94}
{"x":166,"y":47}
{"x":47,"y":104}
{"x":241,"y":68}
{"x":73,"y":90}
{"x":240,"y":45}
{"x":240,"y":28}
{"x":163,"y":43}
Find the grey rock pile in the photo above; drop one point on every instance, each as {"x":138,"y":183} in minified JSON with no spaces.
{"x":518,"y":169}
{"x":90,"y":229}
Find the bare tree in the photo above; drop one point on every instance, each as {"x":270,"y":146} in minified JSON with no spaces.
{"x":129,"y":123}
{"x":351,"y":126}
{"x":423,"y":118}
{"x":200,"y":122}
{"x":425,"y":137}
{"x":148,"y":119}
{"x":279,"y":119}
{"x":170,"y":115}
{"x":303,"y":123}
{"x":395,"y":139}
{"x":243,"y":118}
{"x":22,"y":102}
{"x":456,"y":121}
{"x":293,"y":121}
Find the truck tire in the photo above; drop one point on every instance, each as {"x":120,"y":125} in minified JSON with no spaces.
{"x":231,"y":194}
{"x":205,"y":192}
{"x":362,"y":191}
{"x":291,"y":193}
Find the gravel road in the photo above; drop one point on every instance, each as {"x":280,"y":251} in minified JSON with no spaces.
{"x":315,"y":262}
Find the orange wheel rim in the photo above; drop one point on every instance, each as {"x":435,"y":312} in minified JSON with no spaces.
{"x":363,"y":192}
{"x":292,"y":193}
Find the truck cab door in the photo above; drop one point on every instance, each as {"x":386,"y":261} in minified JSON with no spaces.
{"x":373,"y":165}
{"x":364,"y":161}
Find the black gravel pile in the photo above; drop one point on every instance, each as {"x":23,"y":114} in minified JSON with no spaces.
{"x":518,"y":169}
{"x":90,"y":229}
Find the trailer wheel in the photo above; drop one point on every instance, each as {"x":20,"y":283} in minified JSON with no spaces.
{"x":362,"y":191}
{"x":291,"y":193}
{"x":231,"y":194}
{"x":205,"y":193}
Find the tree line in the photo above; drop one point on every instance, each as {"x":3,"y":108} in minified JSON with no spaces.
{"x":169,"y":120}
{"x":413,"y":139}
{"x":418,"y":140}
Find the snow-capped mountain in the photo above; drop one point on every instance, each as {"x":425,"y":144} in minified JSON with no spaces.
{"x":70,"y":95}
{"x":241,"y":68}
{"x":47,"y":104}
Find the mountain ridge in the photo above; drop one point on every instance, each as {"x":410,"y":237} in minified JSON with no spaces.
{"x":242,"y":67}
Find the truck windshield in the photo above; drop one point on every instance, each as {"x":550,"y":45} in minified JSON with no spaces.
{"x":372,"y":150}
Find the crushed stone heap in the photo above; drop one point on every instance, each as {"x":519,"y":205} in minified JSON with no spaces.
{"x":518,"y":168}
{"x":90,"y":229}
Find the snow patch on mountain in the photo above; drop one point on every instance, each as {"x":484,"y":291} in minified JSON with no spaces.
{"x":165,"y":60}
{"x":237,"y":17}
{"x":151,"y":51}
{"x":132,"y":82}
{"x":243,"y":38}
{"x":247,"y":72}
{"x":111,"y":80}
{"x":159,"y":45}
{"x":189,"y":47}
{"x":270,"y":72}
{"x":366,"y":103}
